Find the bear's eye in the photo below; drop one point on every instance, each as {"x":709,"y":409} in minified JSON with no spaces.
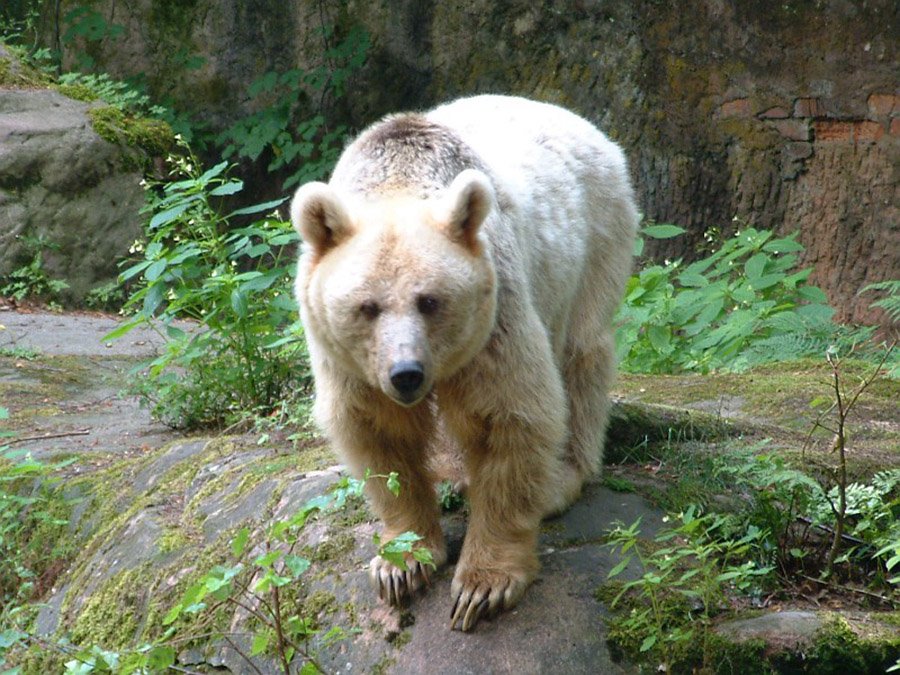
{"x":427,"y":304}
{"x":370,"y":310}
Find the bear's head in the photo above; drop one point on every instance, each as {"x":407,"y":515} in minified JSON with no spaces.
{"x":397,"y":290}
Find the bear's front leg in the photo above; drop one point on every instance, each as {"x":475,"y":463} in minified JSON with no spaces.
{"x":381,"y":438}
{"x":516,"y":472}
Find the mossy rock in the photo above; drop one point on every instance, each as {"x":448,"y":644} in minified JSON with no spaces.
{"x":153,"y":137}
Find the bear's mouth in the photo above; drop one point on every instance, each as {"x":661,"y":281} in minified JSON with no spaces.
{"x":408,"y":400}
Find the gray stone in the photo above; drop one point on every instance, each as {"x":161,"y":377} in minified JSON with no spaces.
{"x":781,"y":630}
{"x":61,"y":183}
{"x":179,"y":452}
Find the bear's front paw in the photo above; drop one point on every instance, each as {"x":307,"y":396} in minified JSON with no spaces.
{"x":394,"y":585}
{"x":478,"y":594}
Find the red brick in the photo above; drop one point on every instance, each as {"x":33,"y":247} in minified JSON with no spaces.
{"x":868,"y":132}
{"x":795,"y":130}
{"x":828,"y":131}
{"x":883,"y":105}
{"x":776,"y":113}
{"x":895,"y":126}
{"x":808,"y":107}
{"x":739,"y":107}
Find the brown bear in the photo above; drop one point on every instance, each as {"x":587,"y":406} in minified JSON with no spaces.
{"x":457,"y":285}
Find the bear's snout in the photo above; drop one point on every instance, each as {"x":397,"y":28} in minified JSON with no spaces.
{"x":407,"y":377}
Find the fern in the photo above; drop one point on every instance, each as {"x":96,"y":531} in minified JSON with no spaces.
{"x":890,"y":303}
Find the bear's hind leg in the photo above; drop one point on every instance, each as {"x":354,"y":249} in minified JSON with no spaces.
{"x":588,"y":371}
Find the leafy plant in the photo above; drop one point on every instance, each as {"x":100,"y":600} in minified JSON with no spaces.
{"x":741,"y":306}
{"x":30,"y":524}
{"x":891,"y":302}
{"x":122,"y":95}
{"x":32,"y":280}
{"x":86,"y":25}
{"x":306,"y":147}
{"x":260,"y":573}
{"x":683,"y":580}
{"x":843,"y":404}
{"x":245,"y":354}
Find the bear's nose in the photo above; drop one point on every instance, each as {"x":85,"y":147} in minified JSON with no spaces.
{"x":407,"y":376}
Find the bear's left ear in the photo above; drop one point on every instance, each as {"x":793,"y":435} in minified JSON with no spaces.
{"x":464,"y":206}
{"x":319,"y":216}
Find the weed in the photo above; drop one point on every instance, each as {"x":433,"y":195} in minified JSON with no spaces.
{"x":741,"y":306}
{"x":32,"y":281}
{"x":307,"y":148}
{"x":247,"y":355}
{"x":683,"y":580}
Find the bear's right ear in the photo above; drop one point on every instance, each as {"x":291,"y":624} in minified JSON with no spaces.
{"x":319,"y":217}
{"x":464,"y":206}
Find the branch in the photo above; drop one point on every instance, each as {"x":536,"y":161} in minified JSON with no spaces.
{"x":27,"y":439}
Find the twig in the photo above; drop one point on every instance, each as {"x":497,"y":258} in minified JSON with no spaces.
{"x":242,"y":654}
{"x":26,"y":439}
{"x":850,"y":588}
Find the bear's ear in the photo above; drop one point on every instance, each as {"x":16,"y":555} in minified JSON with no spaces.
{"x":319,"y":217}
{"x":464,"y":206}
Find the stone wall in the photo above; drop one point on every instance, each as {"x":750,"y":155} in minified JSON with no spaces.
{"x":779,"y":115}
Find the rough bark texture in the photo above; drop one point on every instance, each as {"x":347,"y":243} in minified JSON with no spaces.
{"x":781,"y":116}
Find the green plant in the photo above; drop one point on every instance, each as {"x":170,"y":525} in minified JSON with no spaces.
{"x":245,"y":354}
{"x":84,"y":27}
{"x":282,"y":128}
{"x":261,"y":572}
{"x":840,"y":410}
{"x":890,"y":303}
{"x":32,"y":281}
{"x":738,"y":307}
{"x":19,"y":21}
{"x":685,"y":577}
{"x":122,"y":95}
{"x":105,"y":297}
{"x":31,"y":520}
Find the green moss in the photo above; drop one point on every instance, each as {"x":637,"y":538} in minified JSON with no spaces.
{"x":336,"y":546}
{"x":111,"y":616}
{"x":618,"y":484}
{"x":17,"y":73}
{"x":79,"y":92}
{"x":154,"y":137}
{"x":402,"y":639}
{"x":173,"y":539}
{"x":777,"y":398}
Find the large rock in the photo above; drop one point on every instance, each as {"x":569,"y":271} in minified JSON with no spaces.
{"x":65,"y":190}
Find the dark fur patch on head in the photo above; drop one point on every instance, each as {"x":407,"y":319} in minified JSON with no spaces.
{"x":405,"y":153}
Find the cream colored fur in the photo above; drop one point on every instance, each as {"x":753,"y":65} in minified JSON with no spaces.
{"x":487,"y":241}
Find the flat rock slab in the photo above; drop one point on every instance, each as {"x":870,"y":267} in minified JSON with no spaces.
{"x":58,"y":334}
{"x":558,"y":627}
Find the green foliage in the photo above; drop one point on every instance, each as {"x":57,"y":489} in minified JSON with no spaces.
{"x":741,"y":306}
{"x":31,"y":281}
{"x":891,"y":302}
{"x":245,"y":354}
{"x":119,"y":94}
{"x":449,"y":497}
{"x":108,"y":297}
{"x":19,"y":21}
{"x":84,"y":26}
{"x":302,"y":145}
{"x":683,"y":580}
{"x":261,"y":570}
{"x":31,"y":522}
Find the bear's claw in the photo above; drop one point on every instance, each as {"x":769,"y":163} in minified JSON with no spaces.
{"x":394,"y":585}
{"x":472,"y":602}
